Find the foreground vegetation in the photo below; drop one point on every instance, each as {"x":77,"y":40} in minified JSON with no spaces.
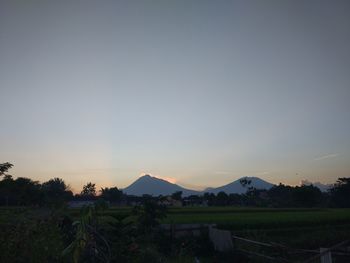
{"x":38,"y":225}
{"x":132,"y":235}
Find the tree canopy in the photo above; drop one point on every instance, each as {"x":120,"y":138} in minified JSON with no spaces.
{"x":340,"y":193}
{"x":4,"y":167}
{"x":89,"y":190}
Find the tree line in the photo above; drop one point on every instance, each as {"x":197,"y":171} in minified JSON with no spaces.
{"x":55,"y":192}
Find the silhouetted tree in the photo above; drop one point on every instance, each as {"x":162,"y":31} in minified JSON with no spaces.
{"x":177,"y":195}
{"x":210,"y":198}
{"x":28,"y":191}
{"x":89,"y":189}
{"x":56,"y":191}
{"x":256,"y":197}
{"x":22,"y":191}
{"x":146,"y":197}
{"x":340,"y":193}
{"x":235,"y":199}
{"x":112,"y":194}
{"x":193,"y":200}
{"x":4,"y":167}
{"x":7,"y":191}
{"x":307,"y":196}
{"x":222,"y":199}
{"x":281,"y":196}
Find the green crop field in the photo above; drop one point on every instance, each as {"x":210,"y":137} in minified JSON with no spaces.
{"x":236,"y":218}
{"x":307,"y":228}
{"x":245,"y":218}
{"x":304,"y":228}
{"x":297,"y":227}
{"x":259,"y":218}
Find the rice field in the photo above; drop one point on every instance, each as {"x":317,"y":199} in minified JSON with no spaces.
{"x":297,"y":227}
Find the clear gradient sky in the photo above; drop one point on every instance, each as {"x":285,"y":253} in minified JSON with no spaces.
{"x":201,"y":92}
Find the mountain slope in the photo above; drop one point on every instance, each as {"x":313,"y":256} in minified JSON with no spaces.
{"x":236,"y":187}
{"x":154,"y":186}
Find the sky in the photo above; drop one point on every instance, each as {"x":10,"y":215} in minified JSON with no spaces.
{"x":197,"y":92}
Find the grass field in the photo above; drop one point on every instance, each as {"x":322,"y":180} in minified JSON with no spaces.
{"x":297,"y":227}
{"x":305,"y":228}
{"x":260,"y":218}
{"x":247,"y":218}
{"x":235,"y":218}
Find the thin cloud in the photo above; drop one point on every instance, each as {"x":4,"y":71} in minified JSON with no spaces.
{"x":323,"y":157}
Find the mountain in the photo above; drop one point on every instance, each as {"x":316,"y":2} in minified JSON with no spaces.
{"x":154,"y":186}
{"x":236,"y":187}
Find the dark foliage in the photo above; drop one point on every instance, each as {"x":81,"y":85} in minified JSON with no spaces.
{"x":149,"y":215}
{"x":56,"y":192}
{"x":32,"y":238}
{"x":112,"y":195}
{"x":307,"y":196}
{"x":4,"y":167}
{"x":177,"y":195}
{"x":340,"y":193}
{"x":89,"y":190}
{"x":46,"y":236}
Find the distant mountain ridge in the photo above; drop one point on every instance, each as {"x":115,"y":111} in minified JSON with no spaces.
{"x":155,"y":186}
{"x":236,"y":187}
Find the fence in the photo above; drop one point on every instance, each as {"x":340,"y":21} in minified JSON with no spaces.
{"x":224,"y":240}
{"x":324,"y":255}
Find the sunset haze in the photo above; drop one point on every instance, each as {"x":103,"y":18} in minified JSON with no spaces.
{"x":199,"y":93}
